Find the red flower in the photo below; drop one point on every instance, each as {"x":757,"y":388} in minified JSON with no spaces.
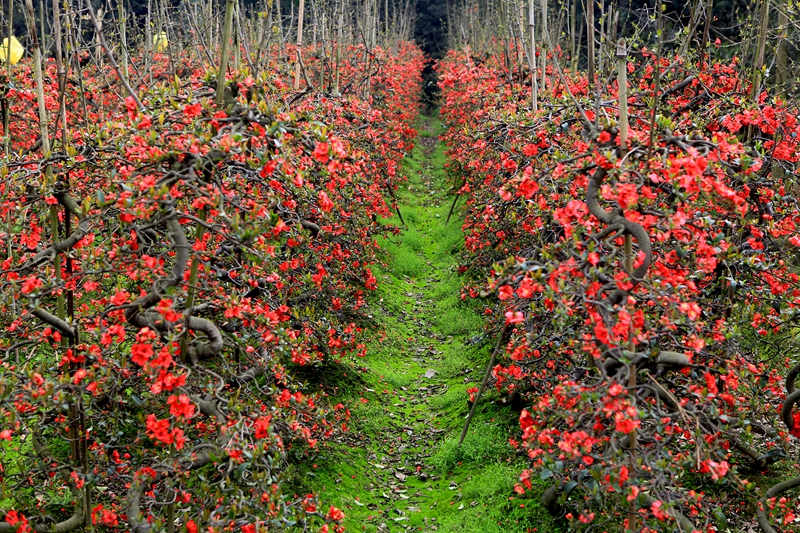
{"x":657,"y":512}
{"x":321,"y":153}
{"x":192,"y":110}
{"x":528,"y":186}
{"x":335,"y":514}
{"x":144,"y":123}
{"x":325,"y":203}
{"x":18,"y":519}
{"x":31,"y":284}
{"x":623,"y":475}
{"x":262,"y":427}
{"x":269,"y":168}
{"x":158,"y":430}
{"x":104,"y":516}
{"x":525,"y":420}
{"x":131,"y":107}
{"x":120,"y":298}
{"x":79,"y":375}
{"x":181,"y":406}
{"x":141,"y":353}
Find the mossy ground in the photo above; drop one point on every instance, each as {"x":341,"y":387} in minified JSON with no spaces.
{"x":399,"y":467}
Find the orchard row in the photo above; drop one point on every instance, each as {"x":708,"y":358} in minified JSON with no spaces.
{"x":640,"y":248}
{"x":166,"y":268}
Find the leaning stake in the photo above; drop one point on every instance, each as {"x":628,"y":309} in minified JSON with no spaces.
{"x":485,"y":379}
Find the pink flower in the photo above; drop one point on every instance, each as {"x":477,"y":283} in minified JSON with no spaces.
{"x":514,"y":317}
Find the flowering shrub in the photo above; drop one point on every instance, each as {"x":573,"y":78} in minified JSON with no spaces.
{"x":647,"y":285}
{"x":165,"y":270}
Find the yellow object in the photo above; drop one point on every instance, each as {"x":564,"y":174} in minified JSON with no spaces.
{"x":16,"y":50}
{"x":160,"y":41}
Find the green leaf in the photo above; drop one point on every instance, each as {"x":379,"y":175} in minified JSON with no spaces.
{"x":722,"y":520}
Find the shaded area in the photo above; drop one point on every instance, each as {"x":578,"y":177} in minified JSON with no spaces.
{"x":430,"y":34}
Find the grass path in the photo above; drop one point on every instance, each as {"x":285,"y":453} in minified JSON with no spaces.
{"x":398,"y":468}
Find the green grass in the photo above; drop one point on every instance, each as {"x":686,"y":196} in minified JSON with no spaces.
{"x":422,"y":324}
{"x":486,"y":444}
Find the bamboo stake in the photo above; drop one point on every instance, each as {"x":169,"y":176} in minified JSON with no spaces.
{"x":590,"y":44}
{"x":486,"y":375}
{"x":657,"y":84}
{"x":633,"y":443}
{"x":223,"y":60}
{"x":758,"y":64}
{"x":518,"y":27}
{"x":297,"y":67}
{"x":622,"y":83}
{"x":61,"y":73}
{"x":6,"y":135}
{"x":42,"y":34}
{"x":545,"y":32}
{"x":236,"y":36}
{"x":534,"y":82}
{"x":148,"y":42}
{"x":37,"y":66}
{"x":110,"y":57}
{"x":706,"y":32}
{"x":782,"y":58}
{"x":572,"y":57}
{"x":338,"y":47}
{"x":123,"y":38}
{"x":282,"y":44}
